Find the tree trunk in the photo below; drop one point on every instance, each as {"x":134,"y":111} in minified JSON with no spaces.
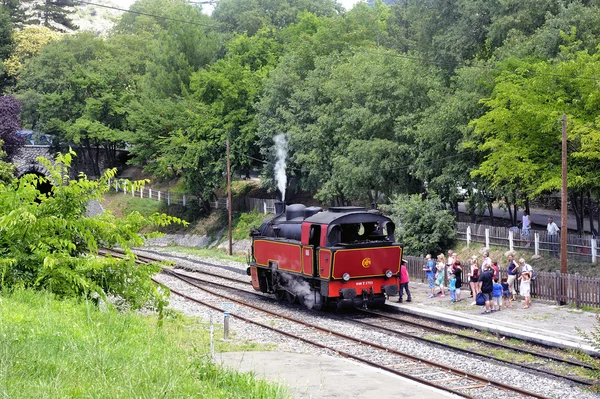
{"x":577,"y":210}
{"x":591,"y":211}
{"x":527,"y":206}
{"x":598,"y":209}
{"x":205,"y":204}
{"x":508,"y":207}
{"x":490,"y":205}
{"x":97,"y":162}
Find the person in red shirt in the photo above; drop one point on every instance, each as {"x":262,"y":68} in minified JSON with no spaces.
{"x":496,"y":270}
{"x":404,"y":280}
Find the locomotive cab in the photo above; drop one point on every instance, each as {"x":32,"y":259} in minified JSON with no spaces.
{"x":346,"y":256}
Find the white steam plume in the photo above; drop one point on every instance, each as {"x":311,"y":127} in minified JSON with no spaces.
{"x":300,"y":288}
{"x":281,"y":150}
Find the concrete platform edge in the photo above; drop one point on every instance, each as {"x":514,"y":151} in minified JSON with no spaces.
{"x":495,"y":329}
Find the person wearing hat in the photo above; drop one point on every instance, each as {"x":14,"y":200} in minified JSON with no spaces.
{"x":404,"y":280}
{"x":487,"y":287}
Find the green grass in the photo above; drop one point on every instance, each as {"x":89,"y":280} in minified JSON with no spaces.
{"x":121,"y":204}
{"x":53,"y":348}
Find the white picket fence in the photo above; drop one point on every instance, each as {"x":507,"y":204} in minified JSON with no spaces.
{"x":127,"y":188}
{"x":584,"y":248}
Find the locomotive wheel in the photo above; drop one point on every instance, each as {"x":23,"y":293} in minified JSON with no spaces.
{"x":291,"y":298}
{"x":319,"y":301}
{"x":280,"y":295}
{"x":377,"y":303}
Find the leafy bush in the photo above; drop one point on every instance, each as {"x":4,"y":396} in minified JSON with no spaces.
{"x":423,"y":225}
{"x":243,"y":222}
{"x":47,"y":242}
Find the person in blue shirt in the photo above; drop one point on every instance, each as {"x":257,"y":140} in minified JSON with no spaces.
{"x":429,"y":268}
{"x":452,"y":287}
{"x":497,"y":295}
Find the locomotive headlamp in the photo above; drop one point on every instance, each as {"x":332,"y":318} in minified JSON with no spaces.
{"x":346,"y":277}
{"x":388,"y":274}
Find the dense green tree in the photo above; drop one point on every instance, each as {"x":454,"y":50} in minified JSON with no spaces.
{"x":423,"y":225}
{"x":27,"y":43}
{"x":173,"y":49}
{"x":442,"y":160}
{"x":6,"y":46}
{"x":54,"y":14}
{"x":249,"y":16}
{"x":220,"y":106}
{"x":77,"y":90}
{"x":581,"y":23}
{"x":522,"y":131}
{"x":346,"y":102}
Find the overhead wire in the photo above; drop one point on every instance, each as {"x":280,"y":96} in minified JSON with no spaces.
{"x":146,"y":14}
{"x":392,"y":169}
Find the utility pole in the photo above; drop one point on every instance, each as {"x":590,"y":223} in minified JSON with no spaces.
{"x":229,"y":196}
{"x":564,"y":228}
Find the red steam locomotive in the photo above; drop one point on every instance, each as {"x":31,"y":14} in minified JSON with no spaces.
{"x":344,"y":256}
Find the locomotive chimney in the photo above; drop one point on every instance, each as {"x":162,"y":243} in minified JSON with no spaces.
{"x":279,"y":207}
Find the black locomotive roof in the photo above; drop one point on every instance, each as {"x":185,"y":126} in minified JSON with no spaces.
{"x":349,"y":214}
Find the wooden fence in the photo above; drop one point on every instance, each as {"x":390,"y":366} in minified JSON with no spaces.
{"x":581,"y":248}
{"x":570,"y":289}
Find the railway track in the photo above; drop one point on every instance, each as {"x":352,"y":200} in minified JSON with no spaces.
{"x":466,"y":343}
{"x":392,"y":325}
{"x":424,"y":371}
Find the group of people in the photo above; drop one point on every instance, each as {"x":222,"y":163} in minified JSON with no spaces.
{"x":484,"y":280}
{"x":497,"y":291}
{"x":437,"y":273}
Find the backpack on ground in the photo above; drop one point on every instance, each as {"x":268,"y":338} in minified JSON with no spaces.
{"x":479,"y":299}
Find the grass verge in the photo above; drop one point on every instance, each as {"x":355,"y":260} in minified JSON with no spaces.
{"x":53,"y":348}
{"x":207,"y":253}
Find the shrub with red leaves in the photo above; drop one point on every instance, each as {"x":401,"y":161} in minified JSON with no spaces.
{"x":10,"y":108}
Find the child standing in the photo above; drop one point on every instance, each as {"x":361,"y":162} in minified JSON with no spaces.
{"x":526,"y":288}
{"x":452,"y":287}
{"x":506,"y":296}
{"x":497,"y":295}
